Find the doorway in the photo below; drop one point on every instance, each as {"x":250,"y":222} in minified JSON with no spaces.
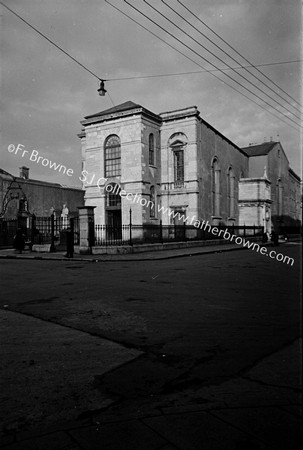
{"x":113,"y":216}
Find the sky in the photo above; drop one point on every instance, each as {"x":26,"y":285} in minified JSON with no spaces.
{"x":45,"y":95}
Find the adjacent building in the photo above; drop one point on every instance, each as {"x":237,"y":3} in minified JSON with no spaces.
{"x":282,"y":206}
{"x":21,"y":194}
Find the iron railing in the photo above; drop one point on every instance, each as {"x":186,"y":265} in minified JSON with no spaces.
{"x":52,"y":230}
{"x":39,"y":230}
{"x":106,"y":235}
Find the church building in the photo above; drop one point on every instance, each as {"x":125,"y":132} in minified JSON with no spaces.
{"x":158,"y":165}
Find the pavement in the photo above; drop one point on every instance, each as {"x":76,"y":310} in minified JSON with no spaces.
{"x":144,"y":256}
{"x":259,"y":409}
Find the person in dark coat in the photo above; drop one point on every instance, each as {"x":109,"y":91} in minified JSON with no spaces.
{"x":274,"y":238}
{"x":69,"y":243}
{"x":19,"y":241}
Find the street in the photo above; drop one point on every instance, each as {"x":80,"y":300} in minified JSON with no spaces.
{"x":127,"y":336}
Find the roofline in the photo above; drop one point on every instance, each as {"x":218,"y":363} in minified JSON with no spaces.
{"x":266,"y":154}
{"x":222,"y":136}
{"x":192,"y":111}
{"x":293,"y":173}
{"x":45,"y":183}
{"x":263,"y":143}
{"x":90,"y":120}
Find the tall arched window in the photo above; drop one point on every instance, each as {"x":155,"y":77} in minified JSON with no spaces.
{"x":112,"y":156}
{"x":216,"y":189}
{"x":231,"y":192}
{"x":151,"y":147}
{"x":152,"y":205}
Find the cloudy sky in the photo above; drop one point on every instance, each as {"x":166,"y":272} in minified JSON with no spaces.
{"x":45,"y":95}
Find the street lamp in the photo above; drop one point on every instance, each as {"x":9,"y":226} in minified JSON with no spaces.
{"x":102,"y":91}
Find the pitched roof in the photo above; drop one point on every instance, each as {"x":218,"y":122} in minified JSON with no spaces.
{"x":5,"y":173}
{"x":259,"y":150}
{"x":116,"y":109}
{"x":123,"y":110}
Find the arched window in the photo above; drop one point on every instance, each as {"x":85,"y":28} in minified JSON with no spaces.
{"x":152,"y":204}
{"x":151,"y":147}
{"x":112,"y":157}
{"x":216,"y":188}
{"x":113,"y":198}
{"x":231,"y":192}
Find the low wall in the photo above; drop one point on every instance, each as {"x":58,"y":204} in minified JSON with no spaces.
{"x":141,"y":248}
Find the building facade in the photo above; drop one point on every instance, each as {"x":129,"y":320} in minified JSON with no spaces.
{"x":175,"y":167}
{"x":172,"y":162}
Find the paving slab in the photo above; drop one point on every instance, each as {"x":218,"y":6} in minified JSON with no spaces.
{"x":282,"y":368}
{"x":276,"y":428}
{"x":196,"y":431}
{"x":48,"y":371}
{"x":129,"y":435}
{"x":56,"y":441}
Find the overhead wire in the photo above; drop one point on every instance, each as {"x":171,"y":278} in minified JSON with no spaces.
{"x":195,"y":62}
{"x":159,"y":75}
{"x":236,"y":61}
{"x":223,"y":81}
{"x":236,"y":51}
{"x":214,"y":65}
{"x":56,"y":45}
{"x":103,"y":79}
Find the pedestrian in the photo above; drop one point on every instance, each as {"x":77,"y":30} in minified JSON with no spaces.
{"x":274,"y":238}
{"x":69,"y":243}
{"x":19,"y":240}
{"x":264,"y":238}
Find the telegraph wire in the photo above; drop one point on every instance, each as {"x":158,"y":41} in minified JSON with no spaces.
{"x":231,"y":57}
{"x":102,"y":79}
{"x":195,"y":62}
{"x":236,"y":51}
{"x":144,"y":15}
{"x":242,"y":76}
{"x":158,"y":37}
{"x":53,"y":43}
{"x":57,"y":46}
{"x":135,"y":77}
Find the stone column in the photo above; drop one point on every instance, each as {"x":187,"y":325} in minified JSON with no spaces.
{"x":87,"y":228}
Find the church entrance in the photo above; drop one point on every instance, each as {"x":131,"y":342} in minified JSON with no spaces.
{"x":113,"y":216}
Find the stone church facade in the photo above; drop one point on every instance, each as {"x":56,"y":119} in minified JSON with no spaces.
{"x":157,"y":165}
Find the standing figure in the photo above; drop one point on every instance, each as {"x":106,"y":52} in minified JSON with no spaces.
{"x":52,"y":212}
{"x":64,"y":215}
{"x":19,"y":240}
{"x":69,"y":243}
{"x":274,"y":238}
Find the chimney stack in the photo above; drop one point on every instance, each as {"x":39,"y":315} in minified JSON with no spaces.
{"x":24,"y":172}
